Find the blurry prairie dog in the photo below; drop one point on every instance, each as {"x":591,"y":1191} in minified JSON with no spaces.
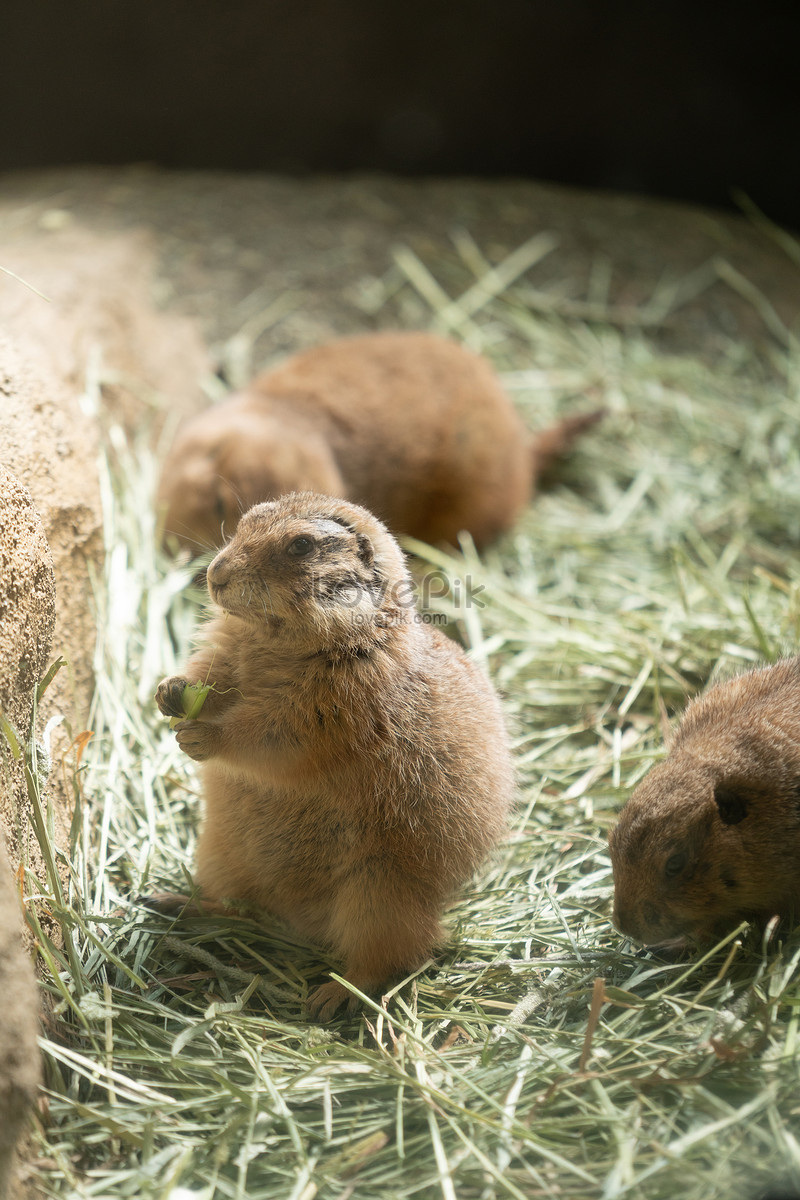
{"x":412,"y":426}
{"x":712,"y":834}
{"x":356,"y":765}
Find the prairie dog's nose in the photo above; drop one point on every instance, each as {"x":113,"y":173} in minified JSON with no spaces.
{"x":625,"y":920}
{"x":620,"y":918}
{"x":219,"y":570}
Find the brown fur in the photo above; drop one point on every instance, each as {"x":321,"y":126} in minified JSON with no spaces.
{"x":357,"y":768}
{"x":712,"y":835}
{"x":412,"y":426}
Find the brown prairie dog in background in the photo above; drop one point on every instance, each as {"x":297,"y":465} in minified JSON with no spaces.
{"x":356,"y":765}
{"x":711,"y":836}
{"x":412,"y":426}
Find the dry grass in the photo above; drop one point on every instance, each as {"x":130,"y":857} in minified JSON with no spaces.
{"x":178,"y":1061}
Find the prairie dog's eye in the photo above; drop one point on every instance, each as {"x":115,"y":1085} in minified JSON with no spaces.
{"x":300,"y":547}
{"x":675,"y":864}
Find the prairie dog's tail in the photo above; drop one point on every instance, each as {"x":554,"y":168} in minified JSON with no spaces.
{"x":550,"y":445}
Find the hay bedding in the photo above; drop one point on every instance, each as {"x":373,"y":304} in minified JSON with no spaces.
{"x":542,"y":1055}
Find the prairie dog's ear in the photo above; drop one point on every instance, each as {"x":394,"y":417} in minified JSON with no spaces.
{"x":365,"y":549}
{"x":732,"y":805}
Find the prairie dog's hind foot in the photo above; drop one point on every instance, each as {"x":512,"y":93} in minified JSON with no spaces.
{"x":174,"y":904}
{"x":326,"y":1000}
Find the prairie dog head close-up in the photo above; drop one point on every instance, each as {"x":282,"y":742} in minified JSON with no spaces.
{"x":711,"y":836}
{"x":319,"y":569}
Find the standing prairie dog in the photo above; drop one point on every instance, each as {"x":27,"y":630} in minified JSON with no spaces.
{"x":412,"y":426}
{"x":356,"y":767}
{"x":711,"y":836}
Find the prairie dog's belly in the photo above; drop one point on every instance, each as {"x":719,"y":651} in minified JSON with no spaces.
{"x":276,"y":851}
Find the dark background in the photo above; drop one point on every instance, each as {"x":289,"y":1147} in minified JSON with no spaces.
{"x":686,"y":100}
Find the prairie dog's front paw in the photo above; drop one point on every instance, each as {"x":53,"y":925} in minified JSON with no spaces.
{"x":169,"y":695}
{"x":199,"y":739}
